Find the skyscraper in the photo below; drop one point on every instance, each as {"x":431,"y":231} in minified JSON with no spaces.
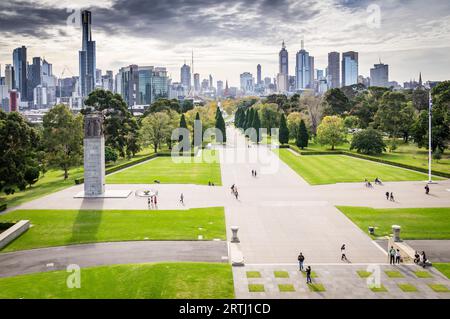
{"x":145,"y":85}
{"x":87,"y":56}
{"x":303,"y":69}
{"x":379,"y":75}
{"x":349,"y":68}
{"x":35,"y":77}
{"x":220,"y":88}
{"x":211,"y":82}
{"x":283,"y":74}
{"x":185,"y":77}
{"x":258,"y":74}
{"x":334,"y":70}
{"x":160,"y":83}
{"x":247,"y":82}
{"x":20,"y":71}
{"x":284,"y":60}
{"x":9,"y":76}
{"x":196,"y":82}
{"x":130,"y":84}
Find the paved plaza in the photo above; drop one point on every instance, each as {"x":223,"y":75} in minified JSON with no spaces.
{"x":278,"y":215}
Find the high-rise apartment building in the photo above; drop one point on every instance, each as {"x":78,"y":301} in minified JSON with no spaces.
{"x":379,"y":75}
{"x":20,"y":71}
{"x":334,"y":70}
{"x":349,"y":68}
{"x":258,"y":74}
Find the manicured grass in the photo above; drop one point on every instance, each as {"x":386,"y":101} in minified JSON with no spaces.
{"x":443,"y":268}
{"x":423,"y":274}
{"x":313,"y":274}
{"x":364,"y":274}
{"x":407,"y":287}
{"x":416,"y":223}
{"x":286,"y":288}
{"x":281,"y":274}
{"x":253,"y":274}
{"x":134,"y":281}
{"x":330,"y":169}
{"x":439,"y":288}
{"x":381,"y":288}
{"x":53,"y":181}
{"x":408,"y":154}
{"x":66,"y":227}
{"x":256,"y":288}
{"x":168,"y":170}
{"x":393,"y":274}
{"x":316,"y":287}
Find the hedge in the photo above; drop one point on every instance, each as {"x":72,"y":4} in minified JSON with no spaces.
{"x":131,"y":163}
{"x":373,"y":159}
{"x":3,"y":207}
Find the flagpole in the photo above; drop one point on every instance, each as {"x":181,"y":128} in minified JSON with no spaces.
{"x":430,"y":106}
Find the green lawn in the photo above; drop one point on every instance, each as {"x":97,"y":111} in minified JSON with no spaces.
{"x":53,"y":181}
{"x":443,"y":268}
{"x":66,"y":227}
{"x":330,"y":169}
{"x":405,"y":153}
{"x":416,"y":223}
{"x":167,"y":171}
{"x":135,"y":281}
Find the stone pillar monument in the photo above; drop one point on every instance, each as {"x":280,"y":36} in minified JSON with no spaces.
{"x":94,"y":155}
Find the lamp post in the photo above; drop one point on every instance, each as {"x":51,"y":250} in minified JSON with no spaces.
{"x":430,"y":107}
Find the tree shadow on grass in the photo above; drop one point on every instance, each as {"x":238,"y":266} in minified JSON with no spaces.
{"x":85,"y":227}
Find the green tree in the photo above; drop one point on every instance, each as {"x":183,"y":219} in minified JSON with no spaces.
{"x":110,"y":155}
{"x":302,"y":135}
{"x":156,"y":128}
{"x":270,"y":117}
{"x":32,"y":175}
{"x":331,"y":131}
{"x":220,"y":125}
{"x":257,"y":126}
{"x":368,"y":141}
{"x":293,"y":122}
{"x":351,"y":122}
{"x":336,"y":102}
{"x":120,"y":129}
{"x":283,"y":136}
{"x":17,"y":151}
{"x":389,"y":116}
{"x":63,"y":138}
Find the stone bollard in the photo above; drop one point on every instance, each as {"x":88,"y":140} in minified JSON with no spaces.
{"x":396,"y":231}
{"x":234,"y":238}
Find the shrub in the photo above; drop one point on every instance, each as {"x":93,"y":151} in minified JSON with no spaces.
{"x":368,"y":141}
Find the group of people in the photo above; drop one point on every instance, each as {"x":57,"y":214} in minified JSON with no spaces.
{"x":377,"y":181}
{"x":234,"y":191}
{"x":152,"y":201}
{"x":254,"y":172}
{"x":210,"y":184}
{"x":421,"y":259}
{"x":394,"y":256}
{"x":390,"y":196}
{"x":301,"y":264}
{"x":301,"y":261}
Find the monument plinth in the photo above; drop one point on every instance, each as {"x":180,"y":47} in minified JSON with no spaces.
{"x":94,"y":155}
{"x":94,"y":161}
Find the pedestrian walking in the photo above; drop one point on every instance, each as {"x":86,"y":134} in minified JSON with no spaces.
{"x":148,"y":203}
{"x":232,"y":189}
{"x":236,"y":194}
{"x":343,"y":256}
{"x":427,"y":189}
{"x":387,"y":195}
{"x":255,"y":172}
{"x":308,"y":275}
{"x":301,"y":260}
{"x":397,"y":257}
{"x":392,"y":197}
{"x":392,"y":253}
{"x":155,"y":201}
{"x":182,"y":198}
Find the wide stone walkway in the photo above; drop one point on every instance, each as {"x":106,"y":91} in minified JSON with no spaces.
{"x":337,"y":282}
{"x":89,"y":255}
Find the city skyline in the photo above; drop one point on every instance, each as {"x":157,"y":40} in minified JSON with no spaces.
{"x":234,"y":43}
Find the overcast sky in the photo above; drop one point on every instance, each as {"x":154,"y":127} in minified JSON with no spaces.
{"x":233,"y":36}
